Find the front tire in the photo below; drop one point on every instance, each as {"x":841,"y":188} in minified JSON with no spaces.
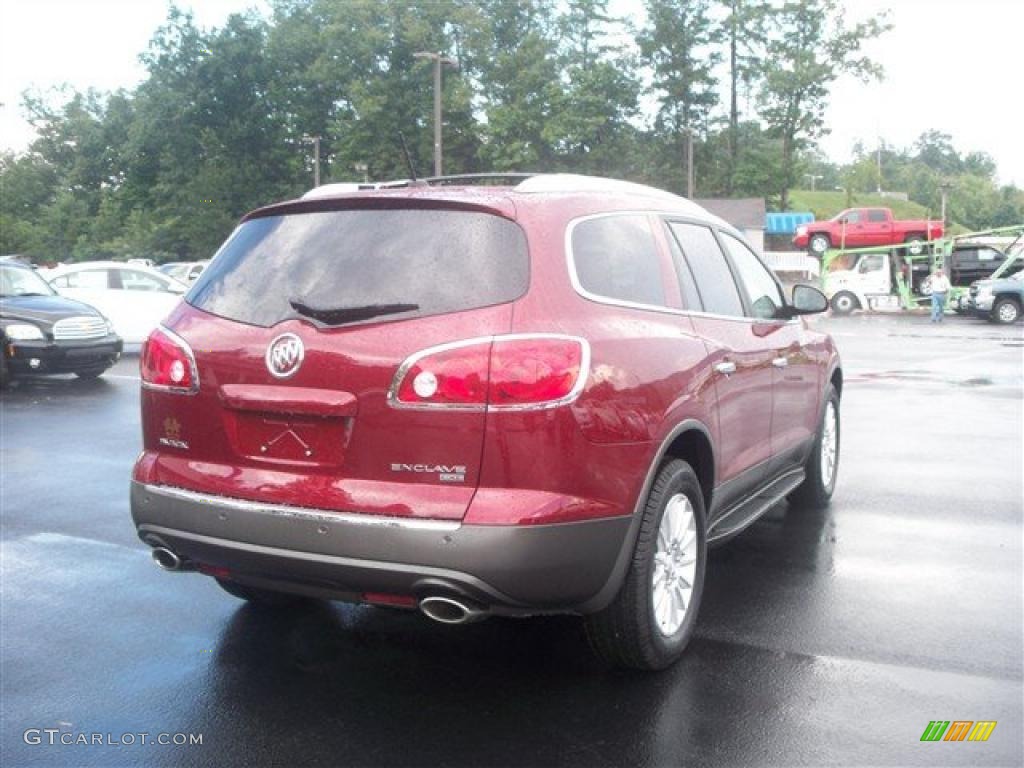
{"x":1005,"y":311}
{"x":88,"y":374}
{"x":652,"y":619}
{"x":822,"y":465}
{"x":844,"y":302}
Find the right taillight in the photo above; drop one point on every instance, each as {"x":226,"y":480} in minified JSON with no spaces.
{"x":167,"y":363}
{"x":516,"y":372}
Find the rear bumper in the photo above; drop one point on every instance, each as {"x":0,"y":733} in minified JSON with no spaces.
{"x":513,"y":570}
{"x":63,"y":356}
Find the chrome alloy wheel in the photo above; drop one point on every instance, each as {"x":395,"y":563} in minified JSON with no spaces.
{"x":675,"y":565}
{"x":1007,"y":313}
{"x":829,"y":445}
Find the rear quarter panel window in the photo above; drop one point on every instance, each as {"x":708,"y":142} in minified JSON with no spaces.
{"x":616,"y":257}
{"x":440,"y":260}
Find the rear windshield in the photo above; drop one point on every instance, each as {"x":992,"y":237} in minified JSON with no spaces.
{"x":424,"y":262}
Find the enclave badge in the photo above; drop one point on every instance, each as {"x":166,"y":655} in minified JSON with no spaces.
{"x":284,"y":355}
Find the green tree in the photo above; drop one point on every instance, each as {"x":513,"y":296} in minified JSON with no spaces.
{"x":677,"y":45}
{"x":514,"y":60}
{"x":744,"y":30}
{"x":810,"y":47}
{"x":590,"y":125}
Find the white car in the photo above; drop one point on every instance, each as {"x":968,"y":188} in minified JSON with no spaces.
{"x":186,"y":271}
{"x":135,"y":298}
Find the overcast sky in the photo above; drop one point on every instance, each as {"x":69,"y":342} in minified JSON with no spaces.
{"x":951,"y":65}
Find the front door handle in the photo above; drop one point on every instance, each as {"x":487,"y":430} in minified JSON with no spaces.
{"x":780,"y":362}
{"x":725,"y":367}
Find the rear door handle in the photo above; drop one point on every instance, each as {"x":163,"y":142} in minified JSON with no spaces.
{"x":725,"y":367}
{"x":780,"y":362}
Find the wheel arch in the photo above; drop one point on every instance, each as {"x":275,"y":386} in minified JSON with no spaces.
{"x":835,"y":378}
{"x":690,"y":440}
{"x":693,"y":445}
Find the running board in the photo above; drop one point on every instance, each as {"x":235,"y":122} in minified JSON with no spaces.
{"x":746,"y":512}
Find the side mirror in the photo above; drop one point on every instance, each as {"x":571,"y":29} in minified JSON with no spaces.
{"x":808,"y":300}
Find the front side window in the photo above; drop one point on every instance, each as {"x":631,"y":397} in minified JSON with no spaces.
{"x":710,"y":269}
{"x":350,"y":266}
{"x":616,"y":257}
{"x":872,"y":262}
{"x":763,"y":294}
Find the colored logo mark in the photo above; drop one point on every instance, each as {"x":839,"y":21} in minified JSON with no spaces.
{"x":958,"y":730}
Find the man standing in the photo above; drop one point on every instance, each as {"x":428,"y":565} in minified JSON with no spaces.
{"x":940,"y":288}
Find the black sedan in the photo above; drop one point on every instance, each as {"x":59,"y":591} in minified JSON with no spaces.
{"x":42,"y":332}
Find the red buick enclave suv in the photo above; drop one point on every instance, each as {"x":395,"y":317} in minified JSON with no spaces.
{"x":545,"y":397}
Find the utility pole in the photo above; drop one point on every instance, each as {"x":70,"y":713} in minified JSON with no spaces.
{"x":879,"y":166}
{"x":689,"y":162}
{"x":945,"y":187}
{"x":439,"y":61}
{"x":316,"y":158}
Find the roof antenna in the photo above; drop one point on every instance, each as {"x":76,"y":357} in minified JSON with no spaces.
{"x":408,"y":158}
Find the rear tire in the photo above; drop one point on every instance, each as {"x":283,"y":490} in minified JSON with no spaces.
{"x":1005,"y":311}
{"x":644,"y":627}
{"x":915,"y":244}
{"x":263,"y":597}
{"x":844,"y":302}
{"x":822,"y":466}
{"x":818,"y":244}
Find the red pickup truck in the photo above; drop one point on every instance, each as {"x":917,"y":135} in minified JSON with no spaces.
{"x":861,"y":227}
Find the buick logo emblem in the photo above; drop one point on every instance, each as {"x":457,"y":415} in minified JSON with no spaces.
{"x":284,"y":355}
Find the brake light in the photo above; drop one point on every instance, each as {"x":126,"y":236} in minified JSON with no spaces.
{"x":517,"y":372}
{"x":453,"y":376}
{"x":534,"y":371}
{"x":167,"y":363}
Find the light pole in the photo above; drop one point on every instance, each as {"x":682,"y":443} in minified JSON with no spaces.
{"x":316,"y":158}
{"x":945,"y":187}
{"x":438,"y":60}
{"x":689,"y":162}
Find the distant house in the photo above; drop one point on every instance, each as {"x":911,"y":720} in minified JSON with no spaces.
{"x":747,"y":214}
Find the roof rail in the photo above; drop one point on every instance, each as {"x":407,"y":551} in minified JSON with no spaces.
{"x":478,"y":177}
{"x":527,"y":183}
{"x":572,"y":182}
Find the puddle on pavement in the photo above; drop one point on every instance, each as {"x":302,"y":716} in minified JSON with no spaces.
{"x":918,"y":376}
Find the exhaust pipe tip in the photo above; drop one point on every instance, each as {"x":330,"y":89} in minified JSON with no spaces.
{"x":447,"y":610}
{"x":166,"y":559}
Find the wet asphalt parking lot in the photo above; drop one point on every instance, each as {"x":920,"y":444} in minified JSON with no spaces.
{"x":824,"y":637}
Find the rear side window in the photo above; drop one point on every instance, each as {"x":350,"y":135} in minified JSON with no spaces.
{"x":424,"y":262}
{"x":615,"y":257}
{"x":877,"y":217}
{"x":710,"y":270}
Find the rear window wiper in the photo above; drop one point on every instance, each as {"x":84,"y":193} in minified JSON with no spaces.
{"x":342,"y":315}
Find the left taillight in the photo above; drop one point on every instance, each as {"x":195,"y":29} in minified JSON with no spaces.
{"x":167,"y":363}
{"x":494,"y":373}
